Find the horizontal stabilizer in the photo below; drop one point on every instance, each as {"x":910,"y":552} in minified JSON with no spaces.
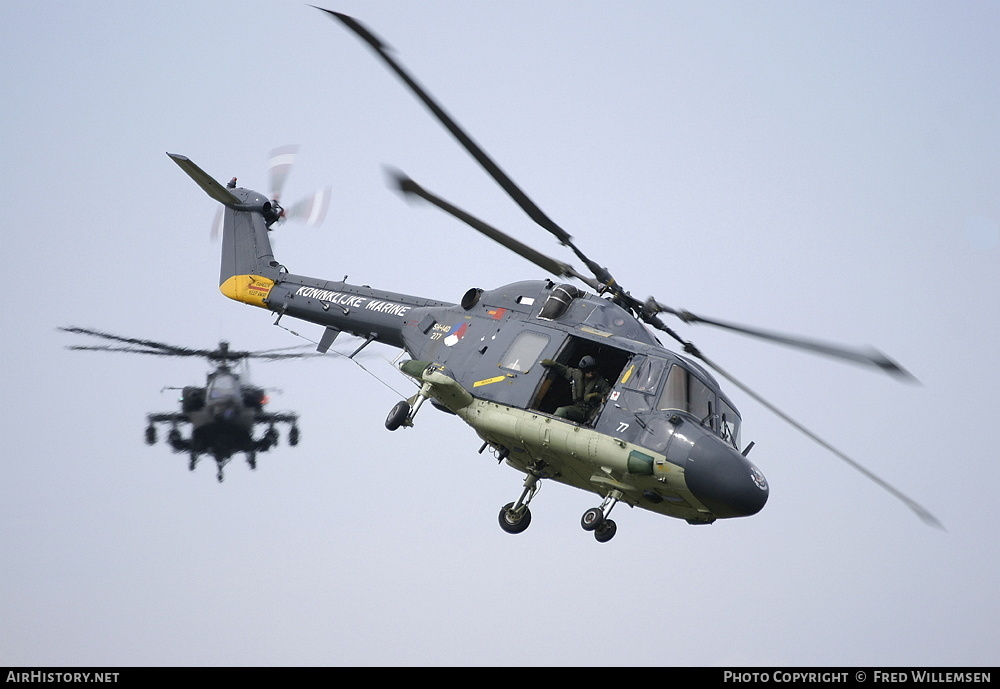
{"x":205,"y":181}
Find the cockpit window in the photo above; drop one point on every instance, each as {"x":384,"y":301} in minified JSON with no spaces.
{"x":222,"y":385}
{"x":641,"y":380}
{"x":647,"y":376}
{"x":685,"y":392}
{"x":729,"y":424}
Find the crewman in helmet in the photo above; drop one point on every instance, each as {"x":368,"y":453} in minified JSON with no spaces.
{"x":588,"y":386}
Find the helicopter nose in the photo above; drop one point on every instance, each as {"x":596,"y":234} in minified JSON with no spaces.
{"x":724,"y":480}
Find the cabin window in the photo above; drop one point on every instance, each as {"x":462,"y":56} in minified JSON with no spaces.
{"x":524,"y":351}
{"x":687,"y":393}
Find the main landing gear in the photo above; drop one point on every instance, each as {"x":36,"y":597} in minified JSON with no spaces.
{"x":515,"y":516}
{"x":596,"y":518}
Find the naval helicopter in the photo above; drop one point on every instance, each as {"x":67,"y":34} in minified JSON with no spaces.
{"x":223,"y":413}
{"x":660,"y":434}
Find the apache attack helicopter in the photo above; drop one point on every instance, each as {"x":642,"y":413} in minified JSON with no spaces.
{"x":664,"y":437}
{"x":222,"y":414}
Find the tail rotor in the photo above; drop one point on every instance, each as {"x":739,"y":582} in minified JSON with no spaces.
{"x":312,"y":209}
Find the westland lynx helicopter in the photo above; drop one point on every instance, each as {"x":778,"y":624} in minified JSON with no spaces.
{"x":660,"y":435}
{"x":222,"y":414}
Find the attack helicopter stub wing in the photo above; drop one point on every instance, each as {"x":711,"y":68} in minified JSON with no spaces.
{"x":168,"y":417}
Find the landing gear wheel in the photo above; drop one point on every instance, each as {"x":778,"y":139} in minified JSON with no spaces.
{"x":592,"y":519}
{"x":397,"y":415}
{"x":150,"y":435}
{"x":512,"y":523}
{"x":606,"y":531}
{"x":293,"y":436}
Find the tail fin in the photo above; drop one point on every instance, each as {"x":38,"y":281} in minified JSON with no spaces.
{"x":248,"y":269}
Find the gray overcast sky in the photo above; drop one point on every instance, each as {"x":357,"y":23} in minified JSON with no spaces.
{"x":825,"y":168}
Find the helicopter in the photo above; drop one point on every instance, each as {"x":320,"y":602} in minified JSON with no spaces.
{"x":222,"y":414}
{"x":660,"y":435}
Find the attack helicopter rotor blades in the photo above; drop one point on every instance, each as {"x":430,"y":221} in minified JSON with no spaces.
{"x":222,"y":353}
{"x":160,"y":348}
{"x":868,"y":356}
{"x":410,"y":188}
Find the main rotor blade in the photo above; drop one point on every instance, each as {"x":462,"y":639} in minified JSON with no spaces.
{"x":484,"y":160}
{"x":868,"y":356}
{"x":918,"y":509}
{"x":205,"y":181}
{"x":130,"y":350}
{"x":409,"y":187}
{"x":498,"y":175}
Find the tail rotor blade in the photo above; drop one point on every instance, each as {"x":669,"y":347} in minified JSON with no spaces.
{"x":217,"y":224}
{"x":312,"y":209}
{"x":279,"y":165}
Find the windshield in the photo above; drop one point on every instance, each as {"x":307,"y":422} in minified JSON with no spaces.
{"x":223,"y":385}
{"x":730,"y":423}
{"x":684,"y":391}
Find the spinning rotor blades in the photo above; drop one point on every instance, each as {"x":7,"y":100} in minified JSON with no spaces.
{"x":409,"y":187}
{"x":501,"y":178}
{"x":310,"y":210}
{"x":603,"y":281}
{"x":865,"y":356}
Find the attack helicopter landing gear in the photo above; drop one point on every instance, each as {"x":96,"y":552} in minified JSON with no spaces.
{"x":515,"y":516}
{"x":150,"y":434}
{"x":220,"y":463}
{"x":596,"y":518}
{"x":268,"y":440}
